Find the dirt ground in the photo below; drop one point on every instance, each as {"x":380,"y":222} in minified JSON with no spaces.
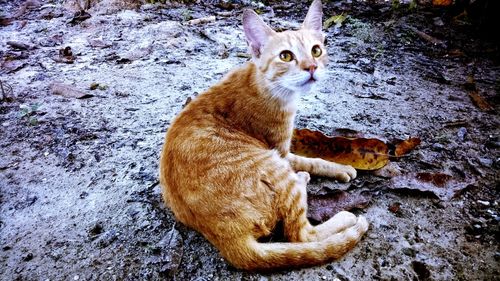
{"x":78,"y":167}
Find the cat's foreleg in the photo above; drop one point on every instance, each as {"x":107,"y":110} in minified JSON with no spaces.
{"x":320,"y":167}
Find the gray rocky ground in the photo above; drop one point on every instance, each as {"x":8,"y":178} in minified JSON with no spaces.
{"x":78,"y":168}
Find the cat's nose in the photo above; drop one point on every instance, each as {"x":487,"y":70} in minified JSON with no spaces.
{"x":311,"y":68}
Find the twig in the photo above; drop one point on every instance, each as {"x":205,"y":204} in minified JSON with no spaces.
{"x":2,"y":93}
{"x":201,"y":20}
{"x":455,"y":123}
{"x":243,"y":55}
{"x":427,"y":37}
{"x":153,"y":185}
{"x":224,"y":14}
{"x":19,"y":45}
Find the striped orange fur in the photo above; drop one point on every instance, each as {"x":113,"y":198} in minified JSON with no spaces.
{"x":226,"y":170}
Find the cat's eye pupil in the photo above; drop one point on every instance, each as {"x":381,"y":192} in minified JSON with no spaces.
{"x":286,"y":56}
{"x":316,"y":51}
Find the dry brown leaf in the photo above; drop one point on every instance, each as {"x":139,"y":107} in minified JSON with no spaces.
{"x":479,"y":101}
{"x":442,"y":2}
{"x":360,"y":153}
{"x":68,"y":91}
{"x":442,"y":185}
{"x":322,"y":207}
{"x":406,"y":146}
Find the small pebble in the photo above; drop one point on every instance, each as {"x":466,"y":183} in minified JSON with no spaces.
{"x":437,"y":147}
{"x":485,"y":203}
{"x":438,"y":21}
{"x":76,"y":277}
{"x":462,"y":133}
{"x":486,"y":162}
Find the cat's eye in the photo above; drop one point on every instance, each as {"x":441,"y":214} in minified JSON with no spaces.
{"x":286,"y":56}
{"x":316,"y":51}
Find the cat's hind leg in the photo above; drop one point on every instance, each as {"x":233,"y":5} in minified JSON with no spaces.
{"x":246,"y":252}
{"x":293,"y":208}
{"x":294,"y":211}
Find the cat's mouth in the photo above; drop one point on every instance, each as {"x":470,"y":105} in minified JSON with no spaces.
{"x":311,"y":80}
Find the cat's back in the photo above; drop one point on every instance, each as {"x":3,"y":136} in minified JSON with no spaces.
{"x":207,"y":119}
{"x":206,"y":151}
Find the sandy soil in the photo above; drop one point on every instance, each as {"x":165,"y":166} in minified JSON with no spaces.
{"x":78,"y":170}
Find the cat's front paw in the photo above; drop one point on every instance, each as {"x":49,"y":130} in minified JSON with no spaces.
{"x":304,"y":176}
{"x":344,"y":173}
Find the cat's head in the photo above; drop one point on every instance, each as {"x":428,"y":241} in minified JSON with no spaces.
{"x":290,"y":61}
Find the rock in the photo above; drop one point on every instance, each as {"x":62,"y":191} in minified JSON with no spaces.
{"x":461,"y":134}
{"x":95,"y":230}
{"x":28,"y":257}
{"x":437,"y":147}
{"x":170,"y":252}
{"x":486,"y":162}
{"x":409,"y":252}
{"x":388,"y":171}
{"x":99,"y":43}
{"x":421,"y":270}
{"x":107,"y":238}
{"x":438,"y":21}
{"x":83,"y":195}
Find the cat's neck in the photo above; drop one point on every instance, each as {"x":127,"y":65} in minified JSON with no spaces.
{"x":247,"y":102}
{"x":284,"y":98}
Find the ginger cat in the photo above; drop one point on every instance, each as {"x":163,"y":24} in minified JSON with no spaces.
{"x":226,"y":169}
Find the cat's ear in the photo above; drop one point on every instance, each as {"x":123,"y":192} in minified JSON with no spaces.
{"x":314,"y":17}
{"x":257,"y":31}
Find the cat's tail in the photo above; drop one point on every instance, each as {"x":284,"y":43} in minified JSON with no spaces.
{"x":249,"y":254}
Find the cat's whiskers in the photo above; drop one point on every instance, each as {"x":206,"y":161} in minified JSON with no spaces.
{"x":286,"y":96}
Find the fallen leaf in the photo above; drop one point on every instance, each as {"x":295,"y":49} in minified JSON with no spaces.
{"x":322,"y":207}
{"x":20,"y":45}
{"x":68,"y":91}
{"x":442,"y":2}
{"x":79,"y":17}
{"x":360,"y":153}
{"x":65,"y":56}
{"x":395,"y":207}
{"x":479,"y":101}
{"x":443,"y":186}
{"x":5,"y":21}
{"x":337,"y":20}
{"x":12,"y":66}
{"x":406,"y":146}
